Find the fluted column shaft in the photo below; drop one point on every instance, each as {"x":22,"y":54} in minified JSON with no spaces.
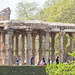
{"x":53,"y":49}
{"x":0,"y":44}
{"x":3,"y":47}
{"x":61,"y":46}
{"x":16,"y":45}
{"x":47,"y":47}
{"x":40,"y":46}
{"x":71,"y":45}
{"x":12,"y":52}
{"x":23,"y":49}
{"x":9,"y":46}
{"x":33,"y":47}
{"x":28,"y":46}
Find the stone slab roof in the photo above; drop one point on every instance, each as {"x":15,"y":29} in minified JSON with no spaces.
{"x":34,"y":24}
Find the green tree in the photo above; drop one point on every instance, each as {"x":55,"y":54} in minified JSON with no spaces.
{"x":26,"y":11}
{"x":58,"y":11}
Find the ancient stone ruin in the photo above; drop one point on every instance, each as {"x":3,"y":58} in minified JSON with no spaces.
{"x":27,"y":29}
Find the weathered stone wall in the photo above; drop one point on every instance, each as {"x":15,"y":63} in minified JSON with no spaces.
{"x":5,"y":14}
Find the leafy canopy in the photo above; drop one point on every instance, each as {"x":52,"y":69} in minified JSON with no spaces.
{"x":26,"y":11}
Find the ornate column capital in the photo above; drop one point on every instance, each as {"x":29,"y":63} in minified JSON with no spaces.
{"x":34,"y":35}
{"x":71,"y":35}
{"x":17,"y":34}
{"x":61,"y":33}
{"x":61,"y":51}
{"x":47,"y":30}
{"x":29,"y":30}
{"x":53,"y":34}
{"x":10,"y":31}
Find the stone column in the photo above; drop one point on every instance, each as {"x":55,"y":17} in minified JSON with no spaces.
{"x":47,"y":46}
{"x":23,"y":49}
{"x":61,"y":46}
{"x":16,"y":45}
{"x":40,"y":46}
{"x":33,"y":47}
{"x":3,"y":47}
{"x":28,"y":46}
{"x":9,"y":45}
{"x":0,"y":44}
{"x":53,"y":49}
{"x":12,"y":48}
{"x":71,"y":45}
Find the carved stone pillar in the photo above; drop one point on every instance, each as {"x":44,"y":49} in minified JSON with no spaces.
{"x":16,"y":45}
{"x":12,"y":48}
{"x":28,"y":46}
{"x":0,"y":44}
{"x":23,"y":49}
{"x":53,"y":49}
{"x":9,"y":45}
{"x":61,"y":46}
{"x":40,"y":46}
{"x":33,"y":46}
{"x":3,"y":47}
{"x":26,"y":50}
{"x":47,"y":46}
{"x":71,"y":45}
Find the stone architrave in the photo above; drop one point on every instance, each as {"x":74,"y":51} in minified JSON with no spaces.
{"x":28,"y":46}
{"x":53,"y":49}
{"x":71,"y":45}
{"x":61,"y":46}
{"x":23,"y":48}
{"x":47,"y":46}
{"x":40,"y":46}
{"x":9,"y":45}
{"x":33,"y":46}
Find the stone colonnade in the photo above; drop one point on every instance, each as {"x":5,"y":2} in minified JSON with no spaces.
{"x":30,"y":34}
